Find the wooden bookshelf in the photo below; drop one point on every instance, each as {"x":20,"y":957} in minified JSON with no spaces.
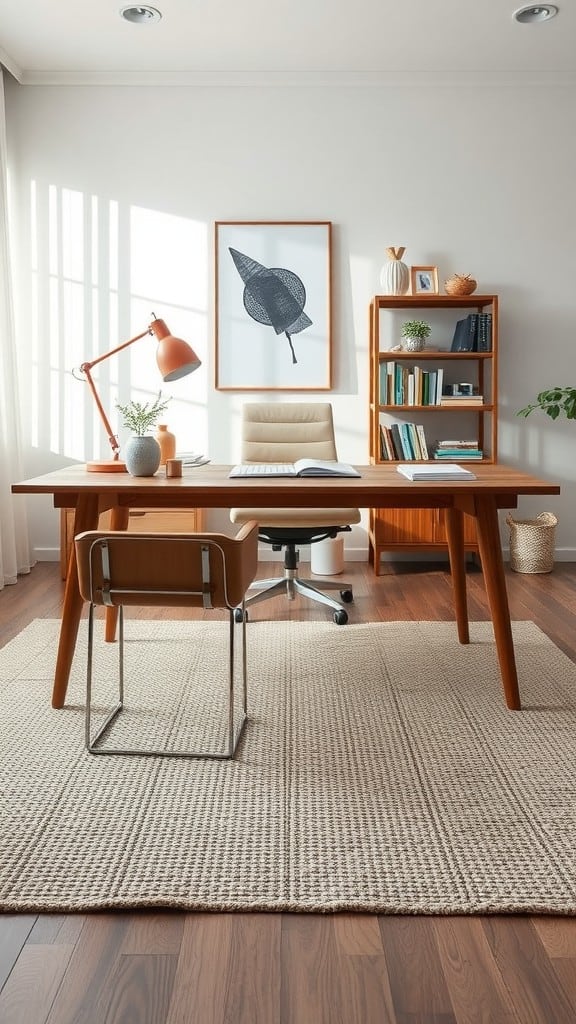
{"x":423,"y":529}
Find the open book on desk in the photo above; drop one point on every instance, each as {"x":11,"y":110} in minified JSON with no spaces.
{"x":445,"y":471}
{"x":303,"y":467}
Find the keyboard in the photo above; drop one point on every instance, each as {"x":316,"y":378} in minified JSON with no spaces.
{"x":263,"y":469}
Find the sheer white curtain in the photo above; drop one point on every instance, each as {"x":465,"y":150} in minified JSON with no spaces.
{"x":14,"y":545}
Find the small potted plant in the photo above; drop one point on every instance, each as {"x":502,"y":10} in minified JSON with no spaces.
{"x":555,"y":402}
{"x":142,"y":451}
{"x":414,"y":334}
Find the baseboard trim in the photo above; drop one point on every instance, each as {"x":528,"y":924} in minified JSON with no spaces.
{"x":351,"y":554}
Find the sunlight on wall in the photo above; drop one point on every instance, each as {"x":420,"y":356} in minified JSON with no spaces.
{"x":100,"y":270}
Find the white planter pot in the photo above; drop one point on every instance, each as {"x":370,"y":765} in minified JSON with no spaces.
{"x":413,"y":344}
{"x":142,"y":455}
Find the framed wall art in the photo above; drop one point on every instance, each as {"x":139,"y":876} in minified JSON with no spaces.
{"x":424,"y":280}
{"x":273,"y":305}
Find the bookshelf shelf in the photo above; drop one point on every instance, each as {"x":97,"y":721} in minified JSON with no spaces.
{"x":436,"y":356}
{"x":485,"y":407}
{"x":423,"y":529}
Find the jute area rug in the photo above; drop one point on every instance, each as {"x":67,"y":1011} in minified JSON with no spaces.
{"x":380,"y":771}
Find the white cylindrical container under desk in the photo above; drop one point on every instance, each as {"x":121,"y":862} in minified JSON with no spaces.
{"x":327,"y":556}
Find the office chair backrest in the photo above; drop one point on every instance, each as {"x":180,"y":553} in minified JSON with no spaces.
{"x":287,"y":431}
{"x":175,"y":570}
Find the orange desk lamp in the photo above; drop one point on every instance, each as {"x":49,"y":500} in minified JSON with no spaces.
{"x":175,"y":359}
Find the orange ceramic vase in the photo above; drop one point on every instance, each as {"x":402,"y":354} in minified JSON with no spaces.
{"x":167,"y":442}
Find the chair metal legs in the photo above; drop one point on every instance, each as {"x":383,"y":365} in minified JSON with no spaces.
{"x":234,"y":729}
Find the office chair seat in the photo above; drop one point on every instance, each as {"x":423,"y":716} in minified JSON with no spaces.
{"x":166,"y":570}
{"x":285,"y":432}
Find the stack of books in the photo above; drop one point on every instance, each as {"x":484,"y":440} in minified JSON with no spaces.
{"x":458,"y":449}
{"x":456,"y":401}
{"x":473,"y":334}
{"x":450,"y":471}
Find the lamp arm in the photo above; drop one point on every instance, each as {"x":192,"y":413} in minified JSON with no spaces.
{"x":86,"y":368}
{"x":112,"y":438}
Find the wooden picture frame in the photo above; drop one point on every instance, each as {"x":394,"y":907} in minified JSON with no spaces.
{"x":273,"y":305}
{"x":424,"y":280}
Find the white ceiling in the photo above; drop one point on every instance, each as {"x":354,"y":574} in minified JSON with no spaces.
{"x":86,"y":40}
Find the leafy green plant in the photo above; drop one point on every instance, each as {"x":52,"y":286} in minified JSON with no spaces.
{"x":139,"y":417}
{"x":555,"y":402}
{"x":416,"y":329}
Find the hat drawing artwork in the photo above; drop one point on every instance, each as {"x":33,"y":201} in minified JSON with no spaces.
{"x":273,"y":296}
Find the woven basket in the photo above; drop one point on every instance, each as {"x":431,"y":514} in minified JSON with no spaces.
{"x":460,"y":284}
{"x":532,"y":543}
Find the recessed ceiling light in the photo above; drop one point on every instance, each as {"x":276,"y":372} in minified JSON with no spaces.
{"x":140,"y":15}
{"x":530,"y":15}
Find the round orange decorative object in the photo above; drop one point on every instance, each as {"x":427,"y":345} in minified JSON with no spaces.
{"x":460,"y":284}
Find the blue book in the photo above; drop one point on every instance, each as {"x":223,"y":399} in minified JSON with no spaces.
{"x":464,"y":339}
{"x":406,"y":443}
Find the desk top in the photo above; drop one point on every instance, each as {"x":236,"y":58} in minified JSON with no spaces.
{"x":210,"y":487}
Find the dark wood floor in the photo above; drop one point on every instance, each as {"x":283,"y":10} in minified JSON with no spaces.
{"x":177,"y":968}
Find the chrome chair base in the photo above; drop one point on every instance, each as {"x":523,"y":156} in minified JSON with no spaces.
{"x":291,"y":584}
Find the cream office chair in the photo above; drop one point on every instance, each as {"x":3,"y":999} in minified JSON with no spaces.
{"x":167,"y":570}
{"x":285,"y":432}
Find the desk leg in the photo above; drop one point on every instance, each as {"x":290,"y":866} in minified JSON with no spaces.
{"x":118,"y":521}
{"x":85,"y":518}
{"x":495,"y":582}
{"x":454,"y":523}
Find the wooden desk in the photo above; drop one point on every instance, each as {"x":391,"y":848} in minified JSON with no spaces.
{"x":496,"y":487}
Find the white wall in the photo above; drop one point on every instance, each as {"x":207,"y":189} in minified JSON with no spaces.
{"x":472,"y":177}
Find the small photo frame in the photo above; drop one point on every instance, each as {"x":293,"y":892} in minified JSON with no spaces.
{"x":424,"y":280}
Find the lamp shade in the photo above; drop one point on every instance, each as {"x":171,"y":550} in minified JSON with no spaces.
{"x":174,"y":356}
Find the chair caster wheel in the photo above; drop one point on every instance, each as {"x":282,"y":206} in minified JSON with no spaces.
{"x":238,"y":615}
{"x":340,"y":618}
{"x":347,"y":596}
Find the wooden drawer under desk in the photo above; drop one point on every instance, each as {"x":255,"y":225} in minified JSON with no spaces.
{"x":142,"y":520}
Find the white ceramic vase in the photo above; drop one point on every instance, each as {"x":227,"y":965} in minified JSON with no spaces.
{"x":142,"y":455}
{"x":395,"y":275}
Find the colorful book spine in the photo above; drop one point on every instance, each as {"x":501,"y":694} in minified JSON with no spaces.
{"x":383,"y":384}
{"x":422,"y":439}
{"x":406,"y":442}
{"x":386,"y":448}
{"x":398,"y":392}
{"x":439,"y":385}
{"x":397,"y":442}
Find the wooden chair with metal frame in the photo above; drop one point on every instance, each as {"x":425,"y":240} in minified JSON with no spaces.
{"x":166,"y":570}
{"x":285,"y":432}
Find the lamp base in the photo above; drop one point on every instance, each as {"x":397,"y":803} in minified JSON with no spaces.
{"x":106,"y":466}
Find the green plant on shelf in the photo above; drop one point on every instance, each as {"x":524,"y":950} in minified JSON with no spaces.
{"x":140,"y":417}
{"x":416,"y":329}
{"x":555,"y":402}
